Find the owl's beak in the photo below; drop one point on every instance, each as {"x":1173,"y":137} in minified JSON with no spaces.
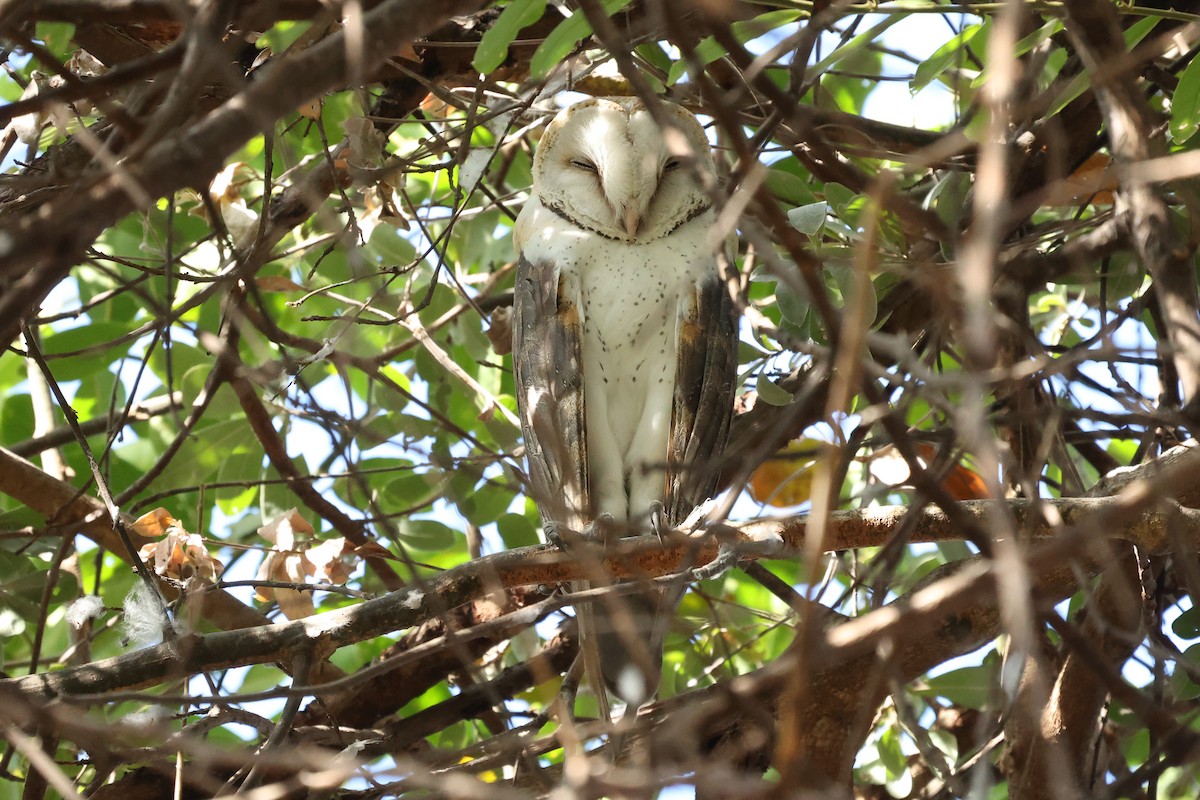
{"x":631,"y":218}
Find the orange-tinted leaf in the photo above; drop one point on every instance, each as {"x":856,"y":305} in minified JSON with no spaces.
{"x":327,"y":561}
{"x":1092,"y":182}
{"x":961,"y":483}
{"x":408,"y":53}
{"x":285,"y":567}
{"x":294,"y":559}
{"x":286,"y":529}
{"x":965,"y":484}
{"x":153,"y":524}
{"x":499,"y":331}
{"x":374,"y":550}
{"x":177,"y":555}
{"x":786,"y":479}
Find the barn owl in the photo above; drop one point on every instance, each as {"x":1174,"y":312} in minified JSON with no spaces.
{"x":625,"y":350}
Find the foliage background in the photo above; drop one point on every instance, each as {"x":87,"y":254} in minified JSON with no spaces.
{"x":256,"y":256}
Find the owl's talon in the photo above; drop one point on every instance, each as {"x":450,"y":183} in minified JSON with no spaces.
{"x":597,"y":529}
{"x":657,"y":521}
{"x":550,"y":529}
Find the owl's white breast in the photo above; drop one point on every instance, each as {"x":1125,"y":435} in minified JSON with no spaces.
{"x":629,"y":296}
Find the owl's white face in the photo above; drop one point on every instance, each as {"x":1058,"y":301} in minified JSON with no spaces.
{"x":605,"y":165}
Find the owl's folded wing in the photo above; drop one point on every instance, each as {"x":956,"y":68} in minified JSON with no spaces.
{"x":547,"y":355}
{"x":705,"y":382}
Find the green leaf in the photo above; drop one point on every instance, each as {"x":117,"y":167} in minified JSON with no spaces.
{"x":953,"y":551}
{"x":1187,"y":624}
{"x":408,"y":491}
{"x":950,"y":52}
{"x":282,"y":35}
{"x":848,"y":284}
{"x":493,"y":47}
{"x":100,"y":340}
{"x":709,"y":51}
{"x":56,"y":35}
{"x":654,"y":54}
{"x":428,"y":535}
{"x":871,"y":768}
{"x":1083,"y":81}
{"x":11,"y":623}
{"x":792,"y":306}
{"x":770,"y":393}
{"x":969,"y":686}
{"x":948,"y":198}
{"x":16,"y":418}
{"x":859,"y":43}
{"x":1182,"y":685}
{"x":1185,"y":104}
{"x":899,"y":778}
{"x":486,"y":503}
{"x":788,"y":186}
{"x":562,"y":40}
{"x":387,"y":247}
{"x":260,"y":678}
{"x":839,"y":197}
{"x":1137,"y":748}
{"x":946,"y":742}
{"x":516,"y":531}
{"x":705,"y":53}
{"x":810,"y":218}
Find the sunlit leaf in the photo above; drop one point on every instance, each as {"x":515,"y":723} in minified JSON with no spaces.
{"x":563,"y":39}
{"x":809,"y":218}
{"x":493,"y":47}
{"x":948,"y":54}
{"x":1185,"y":103}
{"x":786,"y":478}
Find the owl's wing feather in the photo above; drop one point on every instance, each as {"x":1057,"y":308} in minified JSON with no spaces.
{"x":705,"y":381}
{"x":547,"y":354}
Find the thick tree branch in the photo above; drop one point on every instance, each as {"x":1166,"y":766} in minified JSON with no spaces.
{"x":1129,"y":516}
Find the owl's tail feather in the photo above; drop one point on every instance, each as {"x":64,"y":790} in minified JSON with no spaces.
{"x":589,"y":648}
{"x":629,"y":634}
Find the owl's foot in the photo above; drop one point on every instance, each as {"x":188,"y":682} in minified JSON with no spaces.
{"x":658,"y":521}
{"x":599,"y":529}
{"x":552,"y":535}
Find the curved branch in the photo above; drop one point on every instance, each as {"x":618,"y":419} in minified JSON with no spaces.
{"x":1131,"y":516}
{"x":67,"y":510}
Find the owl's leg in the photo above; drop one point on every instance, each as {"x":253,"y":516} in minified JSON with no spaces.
{"x":648,"y":453}
{"x":606,"y":474}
